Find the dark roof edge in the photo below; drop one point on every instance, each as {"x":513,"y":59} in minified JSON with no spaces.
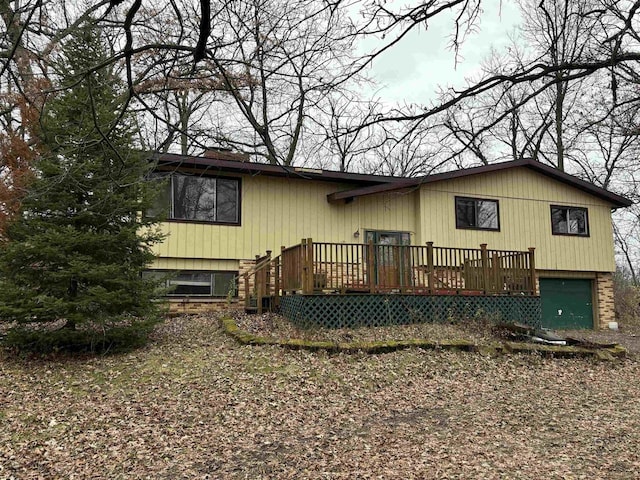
{"x":211,"y":164}
{"x":615,"y":199}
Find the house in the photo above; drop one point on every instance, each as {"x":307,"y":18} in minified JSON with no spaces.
{"x":225,"y":213}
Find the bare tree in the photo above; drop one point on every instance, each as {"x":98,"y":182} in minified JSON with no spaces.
{"x":461,"y":137}
{"x":535,"y":119}
{"x":626,"y":230}
{"x":267,"y":70}
{"x":22,"y":94}
{"x":609,"y":44}
{"x":177,"y":110}
{"x":564,"y":32}
{"x":295,"y":58}
{"x":289,"y":59}
{"x":407,"y":152}
{"x":339,"y":141}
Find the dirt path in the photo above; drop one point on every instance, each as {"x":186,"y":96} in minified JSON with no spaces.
{"x":628,"y":337}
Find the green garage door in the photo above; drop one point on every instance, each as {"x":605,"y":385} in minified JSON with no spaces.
{"x":566,"y":303}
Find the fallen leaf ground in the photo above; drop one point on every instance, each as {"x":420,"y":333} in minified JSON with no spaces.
{"x":194,"y":404}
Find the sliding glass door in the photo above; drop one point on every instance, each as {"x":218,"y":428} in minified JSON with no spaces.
{"x":392,"y":263}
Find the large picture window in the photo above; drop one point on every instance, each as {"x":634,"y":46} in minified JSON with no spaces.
{"x":569,"y":221}
{"x":477,"y":213}
{"x":197,"y":283}
{"x":203,"y":199}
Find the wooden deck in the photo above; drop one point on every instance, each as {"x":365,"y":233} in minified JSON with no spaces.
{"x":342,"y":268}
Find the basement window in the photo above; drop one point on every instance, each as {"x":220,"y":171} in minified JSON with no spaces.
{"x":477,"y":214}
{"x":569,"y":221}
{"x":189,"y":283}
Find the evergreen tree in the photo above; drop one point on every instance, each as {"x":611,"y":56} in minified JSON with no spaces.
{"x":77,"y":250}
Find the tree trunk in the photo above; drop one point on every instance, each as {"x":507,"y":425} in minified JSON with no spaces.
{"x":559,"y":121}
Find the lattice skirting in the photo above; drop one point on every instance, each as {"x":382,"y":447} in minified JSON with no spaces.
{"x":351,"y":311}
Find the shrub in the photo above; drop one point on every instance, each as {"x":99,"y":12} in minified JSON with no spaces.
{"x":90,"y":338}
{"x":627,"y":301}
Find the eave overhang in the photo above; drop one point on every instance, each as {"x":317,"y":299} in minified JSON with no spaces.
{"x":212,"y":166}
{"x":349,"y":195}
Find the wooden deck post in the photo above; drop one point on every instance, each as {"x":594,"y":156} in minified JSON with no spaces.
{"x":532,"y":269}
{"x":484,"y":255}
{"x":247,"y":294}
{"x":259,"y":281}
{"x":304,"y":266}
{"x":496,"y":283}
{"x":310,"y":275}
{"x":267,"y":274}
{"x":256,"y":286}
{"x":276,"y":293}
{"x":282,"y":269}
{"x":430,"y":272}
{"x":371,"y":266}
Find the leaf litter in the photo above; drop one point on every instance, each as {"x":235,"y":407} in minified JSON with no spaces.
{"x":194,"y":404}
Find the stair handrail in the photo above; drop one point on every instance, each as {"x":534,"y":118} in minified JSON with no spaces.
{"x":260,"y":291}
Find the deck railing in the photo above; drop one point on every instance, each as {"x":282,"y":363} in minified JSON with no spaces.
{"x":379,"y":268}
{"x":420,"y":269}
{"x":294,"y":259}
{"x":262,"y":281}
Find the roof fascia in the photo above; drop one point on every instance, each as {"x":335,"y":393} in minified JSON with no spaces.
{"x":614,"y":199}
{"x":213,"y":165}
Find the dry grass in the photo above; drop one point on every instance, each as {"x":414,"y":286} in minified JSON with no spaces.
{"x":477,"y":331}
{"x":194,"y":404}
{"x":272,"y":325}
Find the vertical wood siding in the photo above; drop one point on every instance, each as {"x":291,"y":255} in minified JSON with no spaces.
{"x":280,"y":211}
{"x":524,"y":200}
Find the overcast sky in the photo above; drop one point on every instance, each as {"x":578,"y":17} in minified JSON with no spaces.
{"x":412,"y":71}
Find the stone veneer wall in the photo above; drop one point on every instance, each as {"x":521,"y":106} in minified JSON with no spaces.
{"x":245,"y":266}
{"x":605,"y":305}
{"x":196,"y":305}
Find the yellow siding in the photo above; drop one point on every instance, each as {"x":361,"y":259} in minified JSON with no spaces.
{"x":281,"y":211}
{"x":525,"y":219}
{"x":195,"y":264}
{"x":565,"y":274}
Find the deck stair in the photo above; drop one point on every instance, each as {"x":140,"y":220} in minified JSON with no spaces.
{"x":263,"y":295}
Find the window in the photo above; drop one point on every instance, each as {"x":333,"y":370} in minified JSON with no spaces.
{"x":477,"y":213}
{"x":197,"y":283}
{"x":203,"y":199}
{"x":569,"y":221}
